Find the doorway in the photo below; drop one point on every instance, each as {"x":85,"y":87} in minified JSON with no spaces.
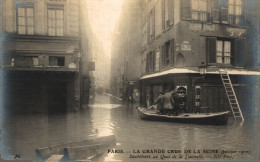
{"x":57,"y":96}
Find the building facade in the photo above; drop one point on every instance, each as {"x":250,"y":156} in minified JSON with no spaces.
{"x":188,"y":42}
{"x":44,"y":54}
{"x":126,"y":52}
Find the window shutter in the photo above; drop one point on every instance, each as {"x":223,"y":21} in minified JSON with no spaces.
{"x":147,"y":62}
{"x":161,"y":56}
{"x":215,"y":10}
{"x":237,"y":55}
{"x":172,"y":51}
{"x":247,"y":55}
{"x":148,"y":28}
{"x":153,"y":59}
{"x":185,"y":9}
{"x":211,"y":50}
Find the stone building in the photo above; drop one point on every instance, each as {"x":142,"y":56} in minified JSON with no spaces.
{"x":44,"y":54}
{"x":126,"y":51}
{"x":188,"y":43}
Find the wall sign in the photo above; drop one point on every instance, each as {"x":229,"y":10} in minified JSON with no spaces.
{"x":185,"y":46}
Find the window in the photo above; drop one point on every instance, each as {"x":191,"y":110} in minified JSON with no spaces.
{"x":56,"y":61}
{"x":223,"y":52}
{"x":158,"y":18}
{"x":28,"y":61}
{"x":152,"y":24}
{"x":150,"y":62}
{"x":199,"y":10}
{"x":25,"y":22}
{"x":215,"y":11}
{"x":197,"y":96}
{"x":168,"y":13}
{"x":55,"y":21}
{"x":234,"y":11}
{"x":219,"y":51}
{"x":168,"y":53}
{"x":224,"y":11}
{"x":185,"y":9}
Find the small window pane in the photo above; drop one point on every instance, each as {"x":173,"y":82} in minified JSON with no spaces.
{"x":195,"y":16}
{"x":226,"y":54}
{"x":219,"y":53}
{"x":21,"y":20}
{"x":219,"y":60}
{"x":227,"y":60}
{"x":59,"y":31}
{"x":238,"y":10}
{"x":59,"y":23}
{"x":59,"y":14}
{"x":21,"y":29}
{"x":30,"y":30}
{"x":231,"y":10}
{"x":51,"y":23}
{"x":51,"y":13}
{"x":51,"y":31}
{"x":21,"y":11}
{"x":219,"y":46}
{"x":227,"y":46}
{"x":29,"y":21}
{"x":29,"y":12}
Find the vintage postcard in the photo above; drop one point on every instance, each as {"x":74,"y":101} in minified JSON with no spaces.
{"x":129,"y":80}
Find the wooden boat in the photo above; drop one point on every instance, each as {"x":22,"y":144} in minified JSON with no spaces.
{"x":219,"y":118}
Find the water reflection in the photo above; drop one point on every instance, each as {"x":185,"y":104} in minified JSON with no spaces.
{"x":23,"y":133}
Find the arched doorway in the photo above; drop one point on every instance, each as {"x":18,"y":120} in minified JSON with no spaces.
{"x":180,"y":60}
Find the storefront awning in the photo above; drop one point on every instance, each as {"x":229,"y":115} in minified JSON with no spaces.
{"x":197,"y":70}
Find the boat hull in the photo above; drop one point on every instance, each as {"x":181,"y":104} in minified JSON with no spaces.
{"x":220,"y":118}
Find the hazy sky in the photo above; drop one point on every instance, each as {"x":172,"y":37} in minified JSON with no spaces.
{"x":103,"y":15}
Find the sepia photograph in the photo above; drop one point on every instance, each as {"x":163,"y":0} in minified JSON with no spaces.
{"x":129,"y":80}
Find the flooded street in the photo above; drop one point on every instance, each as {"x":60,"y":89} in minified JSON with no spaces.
{"x":23,"y":133}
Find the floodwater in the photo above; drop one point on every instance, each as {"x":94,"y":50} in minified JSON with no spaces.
{"x":23,"y":133}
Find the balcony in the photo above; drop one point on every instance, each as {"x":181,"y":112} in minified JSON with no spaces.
{"x":199,"y":16}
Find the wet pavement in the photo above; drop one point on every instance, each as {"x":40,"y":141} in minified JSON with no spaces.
{"x":23,"y":133}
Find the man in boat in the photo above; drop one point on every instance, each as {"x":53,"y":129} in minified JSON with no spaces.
{"x":168,"y":102}
{"x":159,"y":103}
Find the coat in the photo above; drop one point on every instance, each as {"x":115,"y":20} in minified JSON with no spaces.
{"x":168,"y":102}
